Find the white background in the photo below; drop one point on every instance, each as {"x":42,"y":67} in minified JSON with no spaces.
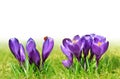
{"x":59,"y":19}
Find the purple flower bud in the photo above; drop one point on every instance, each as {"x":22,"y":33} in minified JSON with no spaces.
{"x":33,"y":54}
{"x":47,"y":48}
{"x":17,"y":49}
{"x":87,"y":39}
{"x":87,"y":46}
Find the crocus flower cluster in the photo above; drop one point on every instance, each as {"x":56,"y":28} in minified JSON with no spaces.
{"x":95,"y":44}
{"x":33,"y":54}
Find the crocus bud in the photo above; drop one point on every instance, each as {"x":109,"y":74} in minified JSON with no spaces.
{"x":33,"y":54}
{"x":17,"y":49}
{"x":47,"y":48}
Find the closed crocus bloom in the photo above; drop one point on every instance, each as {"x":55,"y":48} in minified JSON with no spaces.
{"x":17,"y":49}
{"x":64,"y":47}
{"x":75,"y":46}
{"x":47,"y":48}
{"x":33,"y":54}
{"x":99,"y":47}
{"x":87,"y":46}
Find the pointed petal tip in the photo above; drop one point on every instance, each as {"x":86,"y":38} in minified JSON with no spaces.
{"x":76,"y":37}
{"x":30,"y":45}
{"x":30,"y":39}
{"x":66,"y":63}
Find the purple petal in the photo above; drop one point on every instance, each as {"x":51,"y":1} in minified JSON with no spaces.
{"x":99,"y":50}
{"x":98,"y":38}
{"x":67,"y":53}
{"x":85,"y":51}
{"x":96,"y":49}
{"x":14,"y":46}
{"x":86,"y":37}
{"x":67,"y":63}
{"x":66,"y":41}
{"x":77,"y":37}
{"x":47,"y":48}
{"x":81,"y":44}
{"x":87,"y":41}
{"x":92,"y":35}
{"x":104,"y":47}
{"x":75,"y":50}
{"x":36,"y":57}
{"x":30,"y":45}
{"x":22,"y":53}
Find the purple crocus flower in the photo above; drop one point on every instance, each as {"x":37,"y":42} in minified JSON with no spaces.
{"x":33,"y":54}
{"x":67,"y":52}
{"x":76,"y":46}
{"x":70,"y":48}
{"x":17,"y":49}
{"x":87,"y":46}
{"x":87,"y":39}
{"x":47,"y":48}
{"x":99,"y":47}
